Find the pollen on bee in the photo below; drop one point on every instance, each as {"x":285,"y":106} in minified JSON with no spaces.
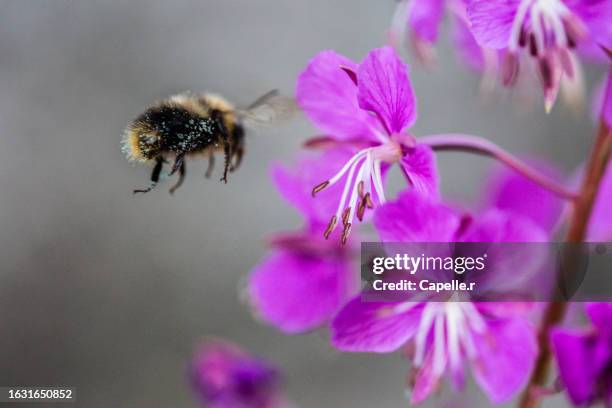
{"x":130,"y":145}
{"x":135,"y":140}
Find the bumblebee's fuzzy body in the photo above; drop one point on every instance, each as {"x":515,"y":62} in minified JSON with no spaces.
{"x":185,"y":125}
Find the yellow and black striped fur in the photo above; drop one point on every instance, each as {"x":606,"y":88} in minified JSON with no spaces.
{"x":182,"y":126}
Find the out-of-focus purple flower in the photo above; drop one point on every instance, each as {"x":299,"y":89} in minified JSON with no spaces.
{"x":584,"y":357}
{"x":225,"y":376}
{"x":510,"y":192}
{"x":497,"y":341}
{"x":304,"y":279}
{"x":418,"y":23}
{"x":367,"y":107}
{"x":545,"y":31}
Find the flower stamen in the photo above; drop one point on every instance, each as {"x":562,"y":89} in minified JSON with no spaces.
{"x":345,"y":215}
{"x":449,"y":329}
{"x":361,"y":209}
{"x":319,"y":187}
{"x":346,"y":232}
{"x":548,"y":30}
{"x":330,"y":227}
{"x":366,"y":164}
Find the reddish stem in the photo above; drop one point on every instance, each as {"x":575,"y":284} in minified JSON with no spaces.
{"x":483,"y":146}
{"x":579,"y":222}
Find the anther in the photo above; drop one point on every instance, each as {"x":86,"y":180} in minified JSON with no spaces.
{"x":546,"y":73}
{"x":533,"y":46}
{"x":330,"y":227}
{"x":522,"y":40}
{"x":360,"y":188}
{"x":345,"y":215}
{"x":368,"y":200}
{"x":346,"y":232}
{"x":319,"y":187}
{"x":361,"y":209}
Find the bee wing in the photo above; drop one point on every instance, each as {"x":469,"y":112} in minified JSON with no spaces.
{"x":271,"y":107}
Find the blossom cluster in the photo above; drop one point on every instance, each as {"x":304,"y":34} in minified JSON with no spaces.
{"x":365,"y":112}
{"x":310,"y":278}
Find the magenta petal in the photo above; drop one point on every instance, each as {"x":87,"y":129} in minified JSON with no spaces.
{"x":491,"y":21}
{"x":426,"y":380}
{"x":329,"y":98}
{"x":416,"y":218}
{"x":503,"y":226}
{"x":600,"y":314}
{"x":508,"y":267}
{"x":584,"y":357}
{"x":379,"y":327}
{"x":596,"y":15}
{"x":424,"y":18}
{"x":514,"y":193}
{"x":419,"y":167}
{"x":506,"y":355}
{"x":384,"y":88}
{"x":296,"y":292}
{"x":573,"y":352}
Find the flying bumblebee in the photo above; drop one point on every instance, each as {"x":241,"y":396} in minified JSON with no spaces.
{"x":192,"y":125}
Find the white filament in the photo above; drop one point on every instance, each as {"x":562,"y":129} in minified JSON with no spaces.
{"x":452,"y":326}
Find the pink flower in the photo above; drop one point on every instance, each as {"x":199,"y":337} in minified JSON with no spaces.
{"x":584,"y":357}
{"x":419,"y":22}
{"x":544,"y":31}
{"x":225,"y":376}
{"x":496,"y":339}
{"x":304,"y":279}
{"x":366,"y":107}
{"x":510,"y":192}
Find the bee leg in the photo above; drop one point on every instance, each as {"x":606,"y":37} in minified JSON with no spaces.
{"x":238,"y":158}
{"x":227,"y":155}
{"x":159,"y":162}
{"x":182,"y":172}
{"x":178,"y":163}
{"x":211,"y":164}
{"x":227,"y":143}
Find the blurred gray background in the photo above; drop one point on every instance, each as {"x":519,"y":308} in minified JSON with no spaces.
{"x":110,"y":292}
